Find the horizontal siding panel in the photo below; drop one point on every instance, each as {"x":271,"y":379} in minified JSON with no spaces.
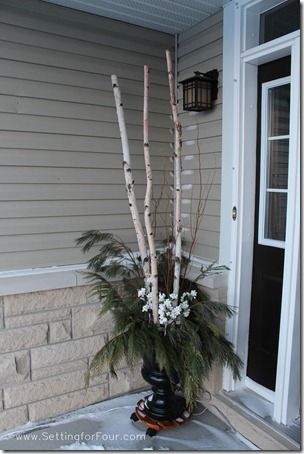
{"x":72,"y":20}
{"x":53,"y":158}
{"x":209,"y":253}
{"x":60,"y":148}
{"x":207,"y":161}
{"x":42,"y":107}
{"x":207,"y":177}
{"x":193,"y":192}
{"x":70,"y":175}
{"x":207,"y":145}
{"x":210,"y":51}
{"x":41,"y":40}
{"x":23,"y":260}
{"x":201,"y":131}
{"x":207,"y":63}
{"x":208,"y":222}
{"x":199,"y":40}
{"x":36,"y":123}
{"x":199,"y":28}
{"x":83,"y":79}
{"x":201,"y":117}
{"x":73,"y":94}
{"x":43,"y":141}
{"x":89,"y":191}
{"x":211,"y":207}
{"x":200,"y":48}
{"x":26,"y":209}
{"x":64,"y":60}
{"x":40,"y":242}
{"x":43,"y":258}
{"x":210,"y":238}
{"x":65,"y":224}
{"x":84,"y":33}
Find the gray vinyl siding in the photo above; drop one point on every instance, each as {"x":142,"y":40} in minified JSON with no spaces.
{"x":200,"y":48}
{"x":60,"y":152}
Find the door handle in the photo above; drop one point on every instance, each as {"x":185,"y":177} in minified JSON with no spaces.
{"x":234,"y":213}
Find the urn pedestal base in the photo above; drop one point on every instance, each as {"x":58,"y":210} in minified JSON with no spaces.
{"x":163,"y":408}
{"x":154,"y":425}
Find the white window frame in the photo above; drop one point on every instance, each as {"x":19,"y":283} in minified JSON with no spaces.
{"x":238,"y":190}
{"x":264,"y":163}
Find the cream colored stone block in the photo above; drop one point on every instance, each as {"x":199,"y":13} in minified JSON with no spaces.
{"x":213,"y":383}
{"x":46,"y":372}
{"x":43,"y":389}
{"x":37,"y":317}
{"x":12,"y":418}
{"x":48,"y":300}
{"x":66,"y":351}
{"x":60,"y":331}
{"x":14,"y":367}
{"x":67,"y":402}
{"x":127,"y":380}
{"x":216,"y":294}
{"x":85,"y":321}
{"x":20,"y":338}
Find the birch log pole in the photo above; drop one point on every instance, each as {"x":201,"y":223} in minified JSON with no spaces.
{"x":148,"y":196}
{"x":177,"y":176}
{"x":129,"y":178}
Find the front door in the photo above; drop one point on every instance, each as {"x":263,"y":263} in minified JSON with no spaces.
{"x":270,"y":220}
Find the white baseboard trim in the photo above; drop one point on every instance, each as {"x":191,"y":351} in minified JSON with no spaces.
{"x":58,"y":277}
{"x":40,"y":279}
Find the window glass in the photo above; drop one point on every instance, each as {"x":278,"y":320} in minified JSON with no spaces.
{"x":279,"y":106}
{"x":279,"y":21}
{"x":275,"y":221}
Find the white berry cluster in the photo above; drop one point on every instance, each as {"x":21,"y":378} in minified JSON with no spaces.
{"x":169,"y":309}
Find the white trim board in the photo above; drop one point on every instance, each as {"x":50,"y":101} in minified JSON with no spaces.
{"x":41,"y":279}
{"x":58,"y":277}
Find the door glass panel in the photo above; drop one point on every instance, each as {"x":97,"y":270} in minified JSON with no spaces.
{"x":278,"y":164}
{"x":274,"y":162}
{"x":275,"y":221}
{"x":279,"y":106}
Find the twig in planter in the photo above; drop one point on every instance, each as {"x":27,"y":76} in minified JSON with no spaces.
{"x":151,"y":240}
{"x":177,"y":176}
{"x":201,"y":206}
{"x":129,"y":178}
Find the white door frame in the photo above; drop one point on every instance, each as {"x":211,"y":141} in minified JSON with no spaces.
{"x":238,"y":190}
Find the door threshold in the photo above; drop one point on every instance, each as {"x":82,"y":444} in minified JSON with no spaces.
{"x":251,"y":415}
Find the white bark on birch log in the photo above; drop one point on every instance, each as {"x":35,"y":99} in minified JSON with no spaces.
{"x":148,"y":196}
{"x":177,"y":176}
{"x":129,"y":178}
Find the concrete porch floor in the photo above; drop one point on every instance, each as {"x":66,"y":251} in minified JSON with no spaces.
{"x":107,"y":426}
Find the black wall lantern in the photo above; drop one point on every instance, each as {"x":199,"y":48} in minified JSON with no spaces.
{"x":200,"y":91}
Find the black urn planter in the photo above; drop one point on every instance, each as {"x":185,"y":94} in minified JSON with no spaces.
{"x":164,"y":404}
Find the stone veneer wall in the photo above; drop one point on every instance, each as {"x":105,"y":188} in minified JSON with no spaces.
{"x":46,"y":341}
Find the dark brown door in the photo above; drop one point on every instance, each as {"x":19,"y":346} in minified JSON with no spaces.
{"x":270,"y":220}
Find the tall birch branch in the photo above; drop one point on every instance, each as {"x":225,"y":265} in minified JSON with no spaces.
{"x":129,"y":178}
{"x":177,"y":175}
{"x":148,"y":196}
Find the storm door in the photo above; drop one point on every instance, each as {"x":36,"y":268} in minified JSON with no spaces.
{"x":270,"y":220}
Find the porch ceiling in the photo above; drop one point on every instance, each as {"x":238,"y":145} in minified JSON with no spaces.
{"x":170,"y":16}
